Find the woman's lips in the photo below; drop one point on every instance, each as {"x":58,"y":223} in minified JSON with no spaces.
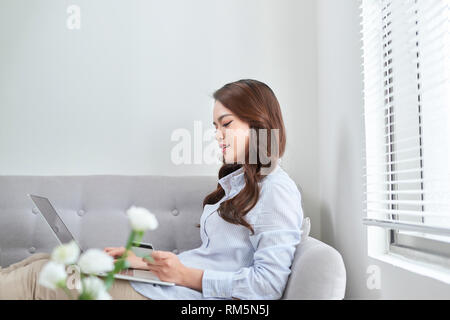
{"x":224,"y":147}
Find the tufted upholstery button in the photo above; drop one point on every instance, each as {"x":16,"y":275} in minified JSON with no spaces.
{"x":35,"y":211}
{"x":81,"y":213}
{"x":175,"y":251}
{"x":175,"y":212}
{"x":32,"y":250}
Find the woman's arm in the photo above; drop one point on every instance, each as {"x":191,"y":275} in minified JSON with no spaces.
{"x":192,"y":278}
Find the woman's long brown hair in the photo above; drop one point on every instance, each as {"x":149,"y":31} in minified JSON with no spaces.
{"x":255,"y":103}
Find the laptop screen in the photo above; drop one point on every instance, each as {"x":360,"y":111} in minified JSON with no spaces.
{"x":54,"y":221}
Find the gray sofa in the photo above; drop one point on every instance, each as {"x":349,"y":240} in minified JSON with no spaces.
{"x":93,"y":207}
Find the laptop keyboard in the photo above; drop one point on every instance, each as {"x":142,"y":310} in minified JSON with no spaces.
{"x":139,"y":274}
{"x":127,"y":272}
{"x":145,"y":275}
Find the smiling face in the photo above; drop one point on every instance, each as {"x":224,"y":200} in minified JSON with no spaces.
{"x":232,"y":134}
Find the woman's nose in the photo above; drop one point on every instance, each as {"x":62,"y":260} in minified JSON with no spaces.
{"x":219,"y":135}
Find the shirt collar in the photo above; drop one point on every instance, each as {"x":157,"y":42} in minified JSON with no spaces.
{"x":235,"y":180}
{"x":232,"y":180}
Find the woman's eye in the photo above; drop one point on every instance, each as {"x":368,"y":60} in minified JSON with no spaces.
{"x":226,"y":124}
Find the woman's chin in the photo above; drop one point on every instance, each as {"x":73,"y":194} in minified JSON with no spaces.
{"x":232,"y":161}
{"x":228,"y":160}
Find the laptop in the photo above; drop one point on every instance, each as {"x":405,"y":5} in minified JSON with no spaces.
{"x":63,"y":235}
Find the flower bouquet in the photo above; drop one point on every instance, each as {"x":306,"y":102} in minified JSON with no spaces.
{"x":68,"y":270}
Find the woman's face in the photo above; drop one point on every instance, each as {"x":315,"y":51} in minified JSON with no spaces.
{"x":232,"y":134}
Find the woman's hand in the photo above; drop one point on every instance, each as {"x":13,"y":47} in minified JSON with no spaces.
{"x":167,"y":267}
{"x":134,"y":261}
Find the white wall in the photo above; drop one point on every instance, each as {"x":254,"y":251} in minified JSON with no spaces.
{"x":341,"y":138}
{"x":105,"y":99}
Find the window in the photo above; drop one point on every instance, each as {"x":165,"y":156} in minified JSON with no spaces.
{"x":406,"y":54}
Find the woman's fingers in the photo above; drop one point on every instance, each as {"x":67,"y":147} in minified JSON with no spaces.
{"x":114,"y":251}
{"x":153,"y":268}
{"x":113,"y":248}
{"x":154,"y":263}
{"x":159,"y":254}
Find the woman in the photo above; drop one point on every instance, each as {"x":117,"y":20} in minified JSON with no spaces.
{"x":250,"y":226}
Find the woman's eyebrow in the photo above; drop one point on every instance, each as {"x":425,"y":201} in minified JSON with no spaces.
{"x":224,"y":115}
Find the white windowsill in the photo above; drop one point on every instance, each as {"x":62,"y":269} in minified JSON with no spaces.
{"x":418,"y":267}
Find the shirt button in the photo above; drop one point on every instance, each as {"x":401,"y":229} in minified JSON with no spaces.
{"x":175,"y":251}
{"x":81,"y":213}
{"x":35,"y":211}
{"x":175,"y":212}
{"x":32,"y":250}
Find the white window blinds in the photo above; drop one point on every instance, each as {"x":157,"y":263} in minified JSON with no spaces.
{"x":406,"y":54}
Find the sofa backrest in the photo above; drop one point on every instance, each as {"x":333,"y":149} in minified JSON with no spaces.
{"x":93,"y":207}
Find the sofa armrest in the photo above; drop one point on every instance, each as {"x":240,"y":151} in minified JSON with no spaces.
{"x":317,"y":272}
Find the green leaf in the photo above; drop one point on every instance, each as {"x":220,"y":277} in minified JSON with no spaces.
{"x":85,"y":296}
{"x":130,"y":239}
{"x":109,"y":281}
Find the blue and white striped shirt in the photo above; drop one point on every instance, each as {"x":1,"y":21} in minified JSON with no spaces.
{"x":236,"y":263}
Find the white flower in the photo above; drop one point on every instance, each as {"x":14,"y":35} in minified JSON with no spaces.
{"x":141,"y":219}
{"x":95,"y":261}
{"x":52,"y":275}
{"x":66,"y":253}
{"x":103,"y":295}
{"x":94,"y":288}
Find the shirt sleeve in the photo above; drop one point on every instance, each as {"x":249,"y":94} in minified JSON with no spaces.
{"x":277,"y":225}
